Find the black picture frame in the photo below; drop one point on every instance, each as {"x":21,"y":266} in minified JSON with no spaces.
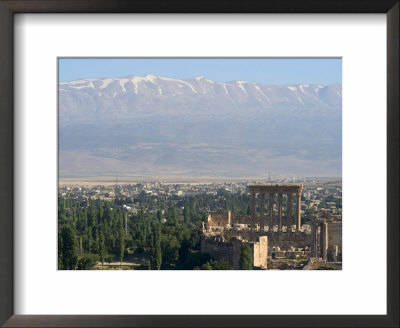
{"x":10,"y":7}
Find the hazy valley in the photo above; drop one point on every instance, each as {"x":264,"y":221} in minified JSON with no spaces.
{"x":197,"y":127}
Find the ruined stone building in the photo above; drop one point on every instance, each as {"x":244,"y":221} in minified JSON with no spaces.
{"x":230,"y":250}
{"x":273,"y":230}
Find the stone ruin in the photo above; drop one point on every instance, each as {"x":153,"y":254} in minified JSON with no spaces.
{"x":229,"y":251}
{"x":271,"y":233}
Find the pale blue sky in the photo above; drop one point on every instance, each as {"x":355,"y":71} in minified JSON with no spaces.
{"x":260,"y":70}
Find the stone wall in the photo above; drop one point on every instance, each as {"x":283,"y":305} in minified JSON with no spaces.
{"x":241,"y":219}
{"x":218,"y":219}
{"x":218,"y":249}
{"x":221,"y":219}
{"x":318,"y":264}
{"x":285,"y":240}
{"x":260,"y":252}
{"x":335,"y":235}
{"x":230,"y":251}
{"x":287,"y":254}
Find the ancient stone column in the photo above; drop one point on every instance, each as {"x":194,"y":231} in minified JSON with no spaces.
{"x":324,"y":240}
{"x":321,"y":241}
{"x":298,"y":211}
{"x":253,"y":210}
{"x":314,"y":239}
{"x":271,"y":211}
{"x":262,"y":209}
{"x":280,"y":211}
{"x":289,"y":212}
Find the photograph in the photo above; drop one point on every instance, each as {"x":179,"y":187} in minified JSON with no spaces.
{"x":158,"y":155}
{"x":150,"y":148}
{"x":208,"y":163}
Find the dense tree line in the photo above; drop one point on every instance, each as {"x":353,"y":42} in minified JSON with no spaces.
{"x":165,"y":232}
{"x":89,"y":232}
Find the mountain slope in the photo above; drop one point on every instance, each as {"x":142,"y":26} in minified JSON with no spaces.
{"x":156,"y":126}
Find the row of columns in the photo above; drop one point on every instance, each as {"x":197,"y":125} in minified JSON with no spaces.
{"x":271,"y":211}
{"x":323,"y":240}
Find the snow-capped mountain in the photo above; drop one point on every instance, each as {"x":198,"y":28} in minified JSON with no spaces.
{"x":121,"y":98}
{"x":153,"y":124}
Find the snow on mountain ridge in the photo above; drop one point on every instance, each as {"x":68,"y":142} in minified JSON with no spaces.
{"x":129,"y":96}
{"x":155,"y":78}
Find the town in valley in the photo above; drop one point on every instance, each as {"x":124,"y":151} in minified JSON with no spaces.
{"x":270,"y":224}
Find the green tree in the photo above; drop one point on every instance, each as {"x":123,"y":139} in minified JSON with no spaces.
{"x":100,"y":211}
{"x":206,"y":266}
{"x":69,"y":248}
{"x":155,"y":254}
{"x":220,"y":265}
{"x":107,"y":213}
{"x":159,"y":215}
{"x":216,"y":265}
{"x":102,"y":249}
{"x":194,"y":206}
{"x":120,"y":245}
{"x":246,"y":258}
{"x":186,"y":215}
{"x":60,"y":263}
{"x":170,"y":246}
{"x":172,"y":215}
{"x":184,"y":251}
{"x":89,"y":240}
{"x":87,"y":262}
{"x":92,"y":213}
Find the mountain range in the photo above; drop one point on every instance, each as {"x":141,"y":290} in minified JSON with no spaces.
{"x":161,"y":126}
